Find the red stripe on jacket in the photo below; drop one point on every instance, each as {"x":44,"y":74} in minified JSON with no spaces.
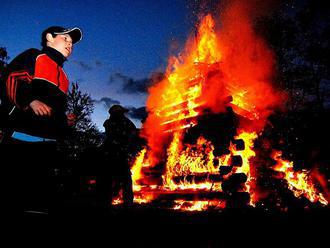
{"x":47,"y":69}
{"x":12,"y":81}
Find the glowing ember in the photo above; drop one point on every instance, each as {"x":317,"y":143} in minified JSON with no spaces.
{"x":198,"y":205}
{"x":298,"y":182}
{"x":117,"y":200}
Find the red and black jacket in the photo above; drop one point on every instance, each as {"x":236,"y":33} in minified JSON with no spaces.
{"x":35,"y":75}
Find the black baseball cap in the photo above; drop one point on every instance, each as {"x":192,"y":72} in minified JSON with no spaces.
{"x":75,"y":33}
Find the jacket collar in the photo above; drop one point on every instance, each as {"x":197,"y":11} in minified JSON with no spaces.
{"x":54,"y":55}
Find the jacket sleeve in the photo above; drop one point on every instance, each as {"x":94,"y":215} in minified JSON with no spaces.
{"x":19,"y":76}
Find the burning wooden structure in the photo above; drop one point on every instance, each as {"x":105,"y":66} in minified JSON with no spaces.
{"x":204,"y":118}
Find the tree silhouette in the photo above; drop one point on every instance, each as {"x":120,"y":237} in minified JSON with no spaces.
{"x":85,"y":133}
{"x":81,"y":105}
{"x":3,"y":59}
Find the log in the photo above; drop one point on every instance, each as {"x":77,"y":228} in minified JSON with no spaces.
{"x":239,"y":144}
{"x":224,"y":170}
{"x":221,"y":151}
{"x":234,"y":183}
{"x":236,"y":160}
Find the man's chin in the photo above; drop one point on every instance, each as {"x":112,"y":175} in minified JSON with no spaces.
{"x":66,"y":54}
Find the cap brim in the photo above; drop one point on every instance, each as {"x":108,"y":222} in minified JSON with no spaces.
{"x":75,"y":34}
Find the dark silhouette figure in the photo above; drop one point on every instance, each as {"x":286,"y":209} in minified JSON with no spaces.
{"x":116,"y":174}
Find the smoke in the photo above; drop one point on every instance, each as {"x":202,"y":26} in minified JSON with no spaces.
{"x":248,"y":62}
{"x":107,"y":101}
{"x":130,"y":85}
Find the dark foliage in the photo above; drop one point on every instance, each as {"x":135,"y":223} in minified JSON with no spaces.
{"x":3,"y":59}
{"x":84,"y":132}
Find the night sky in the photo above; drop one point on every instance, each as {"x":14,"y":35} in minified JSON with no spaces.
{"x":124,"y":42}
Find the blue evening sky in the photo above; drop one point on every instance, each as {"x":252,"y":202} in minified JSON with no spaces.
{"x":127,"y":38}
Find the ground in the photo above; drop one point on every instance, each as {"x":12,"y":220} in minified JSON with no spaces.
{"x":142,"y":226}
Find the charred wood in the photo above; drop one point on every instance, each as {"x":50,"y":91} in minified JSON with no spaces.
{"x":192,"y":196}
{"x":236,"y":160}
{"x":234,"y":183}
{"x":239,"y":144}
{"x":224,"y":170}
{"x":238,"y":200}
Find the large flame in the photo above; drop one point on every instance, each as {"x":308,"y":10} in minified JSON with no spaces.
{"x":214,"y":65}
{"x":213,"y":71}
{"x":299,"y":182}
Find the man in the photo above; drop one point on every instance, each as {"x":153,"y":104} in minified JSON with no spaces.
{"x":35,"y":86}
{"x":34,"y":91}
{"x":115,"y":175}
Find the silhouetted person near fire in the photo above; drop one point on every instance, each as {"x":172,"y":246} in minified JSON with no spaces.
{"x":120,"y":136}
{"x":33,"y":95}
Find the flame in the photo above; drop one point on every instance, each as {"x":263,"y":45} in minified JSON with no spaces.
{"x":213,"y":66}
{"x":136,"y":168}
{"x":193,"y":160}
{"x":117,"y":201}
{"x":246,"y":155}
{"x":207,"y":46}
{"x":298,"y":182}
{"x":143,"y":197}
{"x":140,"y":194}
{"x":198,"y":205}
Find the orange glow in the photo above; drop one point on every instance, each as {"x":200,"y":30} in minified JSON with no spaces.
{"x":298,"y":182}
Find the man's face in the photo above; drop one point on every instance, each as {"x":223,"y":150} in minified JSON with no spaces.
{"x":62,"y":43}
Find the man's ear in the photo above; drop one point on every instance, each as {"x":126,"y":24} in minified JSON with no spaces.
{"x":49,"y":37}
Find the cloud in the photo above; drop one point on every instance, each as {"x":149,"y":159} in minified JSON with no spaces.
{"x":117,"y":76}
{"x":137,"y":113}
{"x":83,"y":65}
{"x":133,"y":86}
{"x":136,"y":86}
{"x":107,"y":101}
{"x":98,"y":63}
